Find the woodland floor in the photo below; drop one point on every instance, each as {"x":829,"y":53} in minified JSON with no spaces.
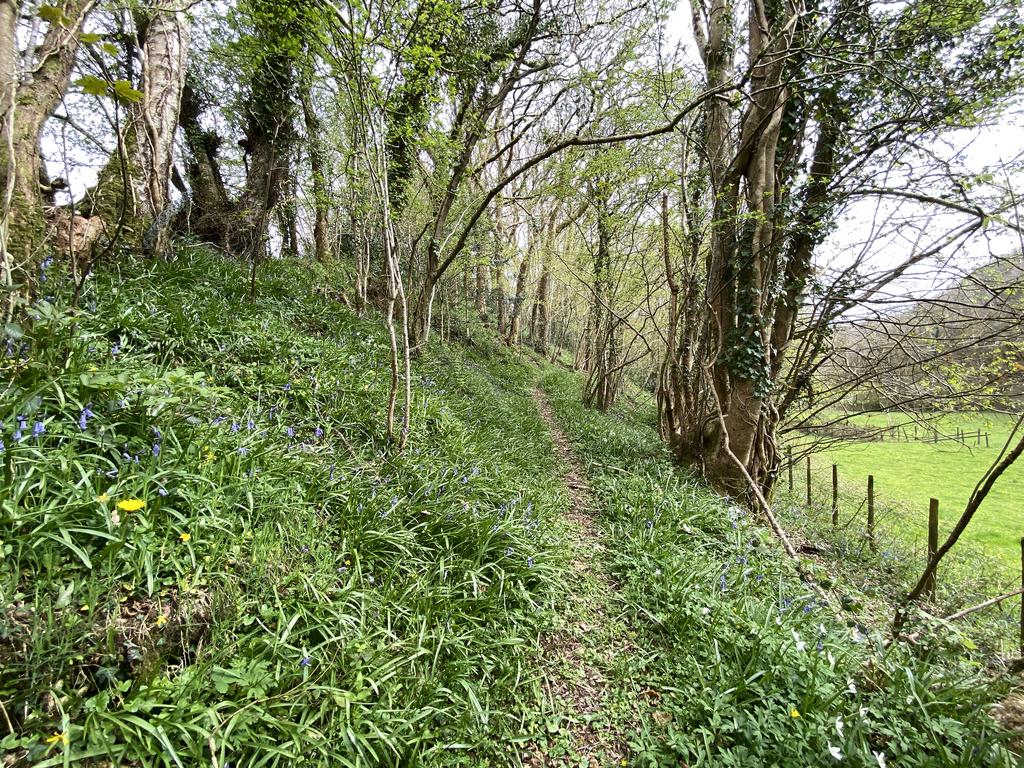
{"x":591,"y":709}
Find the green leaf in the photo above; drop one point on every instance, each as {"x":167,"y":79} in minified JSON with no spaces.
{"x":123,"y":90}
{"x":53,"y":15}
{"x":88,"y":38}
{"x":110,"y":48}
{"x":94,"y":86}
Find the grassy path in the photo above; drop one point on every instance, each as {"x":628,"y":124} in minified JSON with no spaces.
{"x":590,"y":705}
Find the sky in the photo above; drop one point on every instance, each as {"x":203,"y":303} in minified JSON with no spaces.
{"x":896,"y":227}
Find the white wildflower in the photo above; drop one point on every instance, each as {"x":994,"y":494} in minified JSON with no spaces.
{"x":840,"y":725}
{"x":800,"y":644}
{"x":836,"y":752}
{"x":880,"y":757}
{"x":851,"y":687}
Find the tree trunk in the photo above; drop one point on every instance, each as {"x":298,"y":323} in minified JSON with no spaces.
{"x":25,"y":109}
{"x":166,"y":39}
{"x":601,"y":387}
{"x":512,"y":339}
{"x":481,"y":291}
{"x":318,"y":167}
{"x":206,"y":211}
{"x":541,"y":324}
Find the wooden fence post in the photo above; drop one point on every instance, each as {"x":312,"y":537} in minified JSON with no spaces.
{"x":871,"y":512}
{"x":808,"y":481}
{"x":933,"y":542}
{"x":835,"y":494}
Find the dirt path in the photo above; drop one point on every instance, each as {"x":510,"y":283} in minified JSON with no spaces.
{"x":591,"y":706}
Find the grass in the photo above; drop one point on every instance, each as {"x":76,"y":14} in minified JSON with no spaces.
{"x":908,"y":474}
{"x":741,"y":663}
{"x":212,"y":554}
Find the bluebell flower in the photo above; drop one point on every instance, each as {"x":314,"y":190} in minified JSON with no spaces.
{"x":38,"y":429}
{"x":218,"y":421}
{"x":287,"y":387}
{"x":156,"y":449}
{"x":290,"y":432}
{"x":115,"y":350}
{"x":156,"y":433}
{"x":722,"y":582}
{"x":251,"y":425}
{"x":242,"y":450}
{"x":318,"y":433}
{"x":84,"y":416}
{"x":234,"y":427}
{"x":529,"y":562}
{"x":162,"y":491}
{"x":3,"y":448}
{"x":306,"y":661}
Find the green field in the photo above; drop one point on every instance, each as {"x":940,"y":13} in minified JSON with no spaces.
{"x":908,"y":474}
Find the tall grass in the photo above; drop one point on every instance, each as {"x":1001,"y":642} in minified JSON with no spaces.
{"x":746,"y":665}
{"x":212,"y":555}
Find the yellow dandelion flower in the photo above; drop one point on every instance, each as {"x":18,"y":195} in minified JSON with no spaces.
{"x":131,"y":505}
{"x":161,"y":620}
{"x":103,"y":498}
{"x":58,"y":736}
{"x":794,"y":712}
{"x":186,"y":537}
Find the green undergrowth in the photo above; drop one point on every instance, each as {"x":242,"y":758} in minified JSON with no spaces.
{"x":213,"y":555}
{"x":747,"y":665}
{"x":879,"y":572}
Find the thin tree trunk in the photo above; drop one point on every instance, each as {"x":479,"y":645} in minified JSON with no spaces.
{"x":481,"y":291}
{"x":541,"y":325}
{"x":319,"y":170}
{"x":166,"y":39}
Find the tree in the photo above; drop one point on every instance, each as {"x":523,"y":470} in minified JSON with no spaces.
{"x":30,"y":90}
{"x":165,"y":31}
{"x":823,"y":99}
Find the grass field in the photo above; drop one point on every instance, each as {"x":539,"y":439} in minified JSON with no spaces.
{"x":908,"y":474}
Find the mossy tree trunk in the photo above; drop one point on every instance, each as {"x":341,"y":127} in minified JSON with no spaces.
{"x":26,"y":103}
